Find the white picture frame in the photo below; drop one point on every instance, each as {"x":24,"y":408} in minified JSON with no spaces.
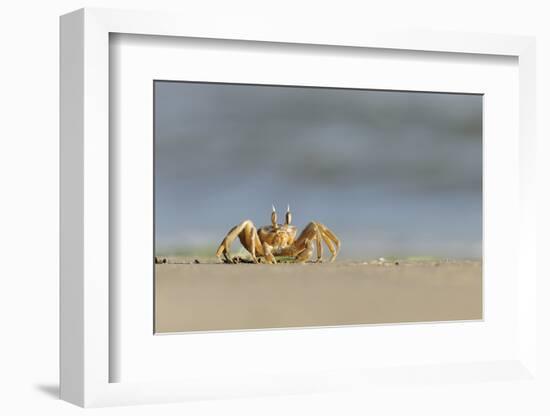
{"x":86,"y":293}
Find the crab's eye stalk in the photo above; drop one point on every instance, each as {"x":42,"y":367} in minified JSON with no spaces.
{"x":288,"y":216}
{"x":274,"y":217}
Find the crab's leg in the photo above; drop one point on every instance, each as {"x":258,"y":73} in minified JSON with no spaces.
{"x":318,"y":240}
{"x":253,"y":245}
{"x":247,"y":238}
{"x":303,"y":248}
{"x":318,"y":232}
{"x":330,"y":239}
{"x":329,"y":244}
{"x":246,"y":231}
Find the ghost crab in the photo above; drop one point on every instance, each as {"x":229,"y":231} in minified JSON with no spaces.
{"x":280,"y":240}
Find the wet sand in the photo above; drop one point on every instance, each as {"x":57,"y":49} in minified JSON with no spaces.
{"x":207,"y":297}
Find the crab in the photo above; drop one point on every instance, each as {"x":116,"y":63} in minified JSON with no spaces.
{"x":279,"y":240}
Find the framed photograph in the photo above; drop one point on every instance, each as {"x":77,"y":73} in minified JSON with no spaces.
{"x":391,"y":179}
{"x":264,"y":211}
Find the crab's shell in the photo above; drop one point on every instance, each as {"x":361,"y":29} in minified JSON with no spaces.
{"x":280,"y":237}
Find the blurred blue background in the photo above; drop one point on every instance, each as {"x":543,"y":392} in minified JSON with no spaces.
{"x":391,"y":173}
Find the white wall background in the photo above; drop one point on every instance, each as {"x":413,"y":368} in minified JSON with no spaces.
{"x":29,"y":209}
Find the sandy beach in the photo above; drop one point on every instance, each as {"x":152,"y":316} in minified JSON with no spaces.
{"x":207,"y":297}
